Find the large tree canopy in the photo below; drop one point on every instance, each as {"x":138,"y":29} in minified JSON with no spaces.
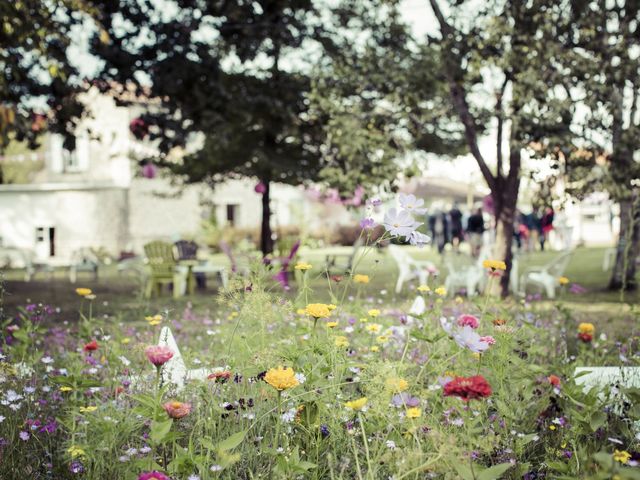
{"x":38,"y":80}
{"x":271,"y":86}
{"x":502,"y":63}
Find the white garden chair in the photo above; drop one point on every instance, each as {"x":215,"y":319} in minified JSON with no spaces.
{"x":464,"y":272}
{"x":408,"y":267}
{"x":546,"y":276}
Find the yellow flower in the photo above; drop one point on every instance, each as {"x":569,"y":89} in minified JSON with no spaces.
{"x":125,"y":341}
{"x":563,"y":280}
{"x":75,"y":451}
{"x":396,"y":384}
{"x":83,"y":292}
{"x":357,"y":404}
{"x":88,"y":409}
{"x":374,"y":312}
{"x":459,"y":300}
{"x":65,"y":389}
{"x":360,"y":278}
{"x":332,"y":324}
{"x":301,"y":311}
{"x":341,"y":341}
{"x":331,"y":307}
{"x":364,"y":320}
{"x":586,"y":328}
{"x":375,"y":348}
{"x":154,"y":320}
{"x":494,"y":264}
{"x":441,"y":291}
{"x":413,"y":412}
{"x":621,"y":456}
{"x":424,"y":288}
{"x":382,"y":339}
{"x":281,"y":378}
{"x":552,"y":427}
{"x":303,"y":266}
{"x":318,"y":310}
{"x":373,"y":328}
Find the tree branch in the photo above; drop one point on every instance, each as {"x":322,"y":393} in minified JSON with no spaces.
{"x":458,"y":96}
{"x":500,"y":117}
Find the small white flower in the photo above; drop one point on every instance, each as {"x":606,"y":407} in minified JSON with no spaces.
{"x":193,"y":477}
{"x":46,"y":360}
{"x":2,"y":418}
{"x":300,"y":377}
{"x":413,"y":204}
{"x":289,"y":416}
{"x":391,"y":444}
{"x":399,"y":223}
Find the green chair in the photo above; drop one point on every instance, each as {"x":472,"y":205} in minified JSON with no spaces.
{"x":164,"y":269}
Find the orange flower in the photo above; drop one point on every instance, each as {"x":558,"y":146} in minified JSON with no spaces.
{"x":176,"y":409}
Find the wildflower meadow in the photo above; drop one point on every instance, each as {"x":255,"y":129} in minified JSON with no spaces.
{"x":331,"y":383}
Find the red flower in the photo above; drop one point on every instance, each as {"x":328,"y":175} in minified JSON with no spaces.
{"x":467,"y":320}
{"x":468,"y":388}
{"x":91,"y":346}
{"x":554,"y":380}
{"x":220,"y":377}
{"x":585,"y":337}
{"x":158,"y":354}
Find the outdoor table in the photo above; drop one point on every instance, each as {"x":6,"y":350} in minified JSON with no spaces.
{"x":197,"y":266}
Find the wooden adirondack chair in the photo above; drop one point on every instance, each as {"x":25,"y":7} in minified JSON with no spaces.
{"x":164,"y":269}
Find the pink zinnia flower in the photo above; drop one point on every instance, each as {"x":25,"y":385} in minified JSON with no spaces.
{"x":488,"y":339}
{"x":468,"y":321}
{"x":177,"y":409}
{"x":155,"y":475}
{"x":158,"y":354}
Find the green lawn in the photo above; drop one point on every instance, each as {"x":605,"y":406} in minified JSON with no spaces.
{"x":116,"y":293}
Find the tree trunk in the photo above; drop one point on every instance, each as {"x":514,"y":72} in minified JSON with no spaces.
{"x":266,"y":242}
{"x":505,"y":198}
{"x":623,"y":276}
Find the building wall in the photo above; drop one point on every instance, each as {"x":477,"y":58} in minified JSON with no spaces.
{"x":159,"y":211}
{"x":81,"y":218}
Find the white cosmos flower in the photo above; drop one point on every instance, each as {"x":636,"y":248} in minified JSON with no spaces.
{"x":418,"y":239}
{"x":467,"y":337}
{"x":413,"y":204}
{"x":399,"y":223}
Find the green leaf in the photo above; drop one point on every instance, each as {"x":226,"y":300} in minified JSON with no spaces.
{"x":232,"y":442}
{"x":159,"y":430}
{"x":495,"y":472}
{"x":464,"y":472}
{"x":597,"y":420}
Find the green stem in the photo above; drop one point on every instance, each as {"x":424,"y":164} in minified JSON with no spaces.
{"x":366,"y":446}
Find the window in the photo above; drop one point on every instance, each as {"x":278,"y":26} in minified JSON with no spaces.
{"x":232,"y":214}
{"x":46,"y":241}
{"x":76,"y":160}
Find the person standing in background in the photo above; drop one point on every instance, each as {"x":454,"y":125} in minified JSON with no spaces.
{"x":439,"y":227}
{"x":546,"y":225}
{"x":457,"y":232}
{"x":475,"y":229}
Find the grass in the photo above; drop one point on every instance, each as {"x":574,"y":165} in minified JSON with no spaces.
{"x":116,"y":293}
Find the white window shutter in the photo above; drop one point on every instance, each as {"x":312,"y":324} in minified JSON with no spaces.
{"x":55,"y":154}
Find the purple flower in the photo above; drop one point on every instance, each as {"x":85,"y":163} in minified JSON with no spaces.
{"x":324,"y":431}
{"x":367,"y":223}
{"x":76,"y":467}
{"x":577,"y":289}
{"x":404,"y":400}
{"x":466,"y":337}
